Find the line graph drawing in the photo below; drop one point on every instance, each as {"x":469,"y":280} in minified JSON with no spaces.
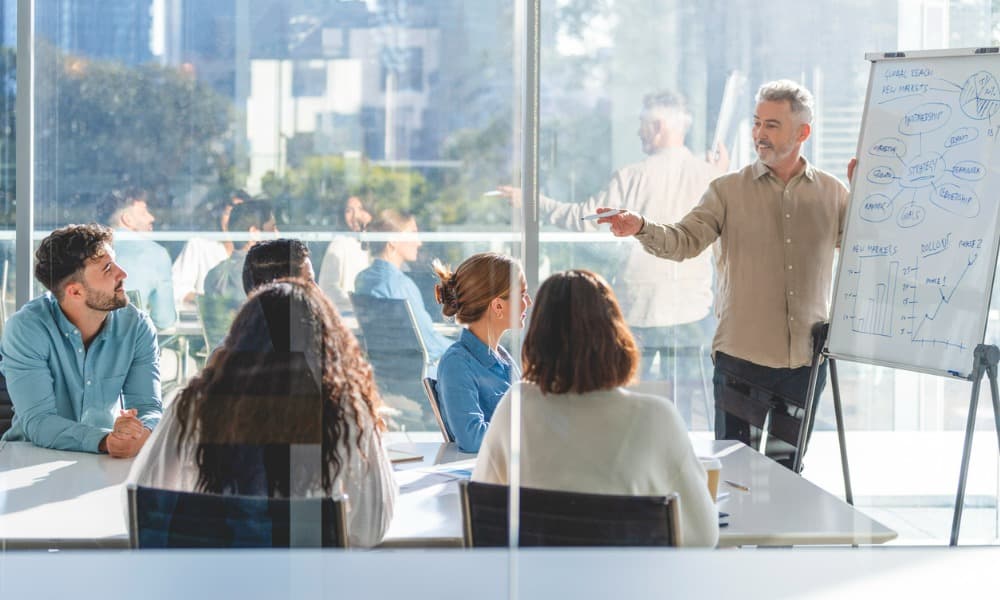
{"x":944,"y":300}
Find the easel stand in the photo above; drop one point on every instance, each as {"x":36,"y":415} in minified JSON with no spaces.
{"x":819,"y":334}
{"x":986,"y":358}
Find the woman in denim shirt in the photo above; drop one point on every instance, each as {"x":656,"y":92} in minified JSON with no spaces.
{"x":488,"y":294}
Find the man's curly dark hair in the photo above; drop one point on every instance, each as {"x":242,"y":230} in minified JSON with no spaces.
{"x":65,"y":252}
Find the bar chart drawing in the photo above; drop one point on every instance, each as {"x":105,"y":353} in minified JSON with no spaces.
{"x":875,"y":300}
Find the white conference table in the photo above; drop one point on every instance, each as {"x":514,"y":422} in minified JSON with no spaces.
{"x":780,"y":508}
{"x":56,"y":499}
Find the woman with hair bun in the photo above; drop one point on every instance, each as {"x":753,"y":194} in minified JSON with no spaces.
{"x":476,"y":371}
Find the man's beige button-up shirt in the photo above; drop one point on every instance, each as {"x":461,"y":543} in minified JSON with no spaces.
{"x":774,"y":262}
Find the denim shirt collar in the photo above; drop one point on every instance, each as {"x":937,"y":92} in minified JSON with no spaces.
{"x":382,"y":264}
{"x":482,"y":352}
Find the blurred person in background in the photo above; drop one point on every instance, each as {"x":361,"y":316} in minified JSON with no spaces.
{"x":385,"y":278}
{"x":146,"y":262}
{"x":224,"y":282}
{"x":345,"y":257}
{"x":666,"y":305}
{"x":199,"y":255}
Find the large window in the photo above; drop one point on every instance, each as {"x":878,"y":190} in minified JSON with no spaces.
{"x":368,"y":125}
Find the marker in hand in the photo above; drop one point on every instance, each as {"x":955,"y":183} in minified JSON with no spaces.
{"x":607,"y":213}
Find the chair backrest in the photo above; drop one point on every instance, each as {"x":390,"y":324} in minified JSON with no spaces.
{"x":216,"y":314}
{"x":391,"y":337}
{"x":135,"y":298}
{"x":4,"y":278}
{"x":6,"y":406}
{"x":430,"y":386}
{"x":398,"y":355}
{"x":553,"y":518}
{"x":169,"y":519}
{"x":388,"y":325}
{"x":426,"y":280}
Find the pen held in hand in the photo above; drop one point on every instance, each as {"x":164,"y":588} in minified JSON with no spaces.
{"x":607,"y":213}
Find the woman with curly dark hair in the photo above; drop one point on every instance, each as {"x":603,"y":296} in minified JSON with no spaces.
{"x":286,"y":407}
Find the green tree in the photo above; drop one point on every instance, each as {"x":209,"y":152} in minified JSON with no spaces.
{"x":310,"y":196}
{"x":101,"y":124}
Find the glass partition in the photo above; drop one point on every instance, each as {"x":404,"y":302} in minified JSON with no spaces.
{"x":386,"y":136}
{"x":611,"y":74}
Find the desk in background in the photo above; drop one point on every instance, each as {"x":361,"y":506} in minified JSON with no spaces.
{"x":178,"y":336}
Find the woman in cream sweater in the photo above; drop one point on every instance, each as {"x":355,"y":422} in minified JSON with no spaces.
{"x":580,"y":430}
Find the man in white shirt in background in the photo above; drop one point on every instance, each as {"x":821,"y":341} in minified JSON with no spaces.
{"x":199,"y":255}
{"x":345,"y":257}
{"x":666,"y":304}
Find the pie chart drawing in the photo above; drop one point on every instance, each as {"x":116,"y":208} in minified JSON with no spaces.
{"x":980,"y":97}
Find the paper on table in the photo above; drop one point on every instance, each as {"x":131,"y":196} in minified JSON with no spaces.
{"x":418,"y":479}
{"x":400,"y":456}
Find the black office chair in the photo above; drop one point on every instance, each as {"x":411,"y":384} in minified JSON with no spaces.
{"x":6,"y":406}
{"x":430,"y":387}
{"x":397,"y":353}
{"x":169,"y":519}
{"x":551,"y":518}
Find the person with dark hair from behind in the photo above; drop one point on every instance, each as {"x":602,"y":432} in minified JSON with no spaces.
{"x":385,"y":278}
{"x":147,"y":263}
{"x":81,"y":363}
{"x":224,"y":283}
{"x":476,"y":371}
{"x":580,"y":430}
{"x":200,"y":254}
{"x":286,"y":407}
{"x":276,"y":259}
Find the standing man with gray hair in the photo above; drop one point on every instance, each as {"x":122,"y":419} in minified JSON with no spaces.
{"x":665,"y":304}
{"x":778,"y":222}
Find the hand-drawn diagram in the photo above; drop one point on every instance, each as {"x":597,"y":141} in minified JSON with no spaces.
{"x":912,"y":272}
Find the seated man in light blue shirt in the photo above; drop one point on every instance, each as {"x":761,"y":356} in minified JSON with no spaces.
{"x":81,"y":363}
{"x":147,"y":263}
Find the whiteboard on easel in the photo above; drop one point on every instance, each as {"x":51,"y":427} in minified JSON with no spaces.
{"x":919,"y":252}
